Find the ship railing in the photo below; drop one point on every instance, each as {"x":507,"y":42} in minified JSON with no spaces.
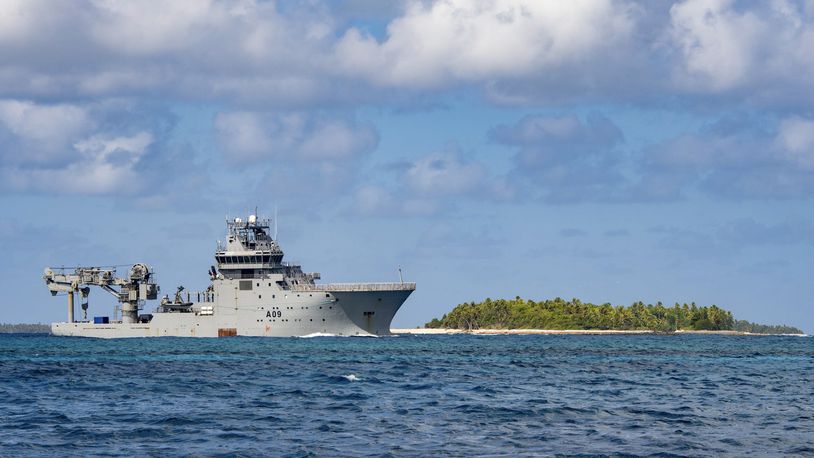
{"x":355,"y":287}
{"x":200,"y":296}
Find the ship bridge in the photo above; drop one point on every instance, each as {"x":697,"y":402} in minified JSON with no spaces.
{"x":251,"y":251}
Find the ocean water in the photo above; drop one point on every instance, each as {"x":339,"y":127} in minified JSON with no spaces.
{"x":407,"y":396}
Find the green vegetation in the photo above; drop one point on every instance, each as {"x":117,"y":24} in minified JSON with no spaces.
{"x":574,"y":314}
{"x":745,"y":326}
{"x":6,"y":328}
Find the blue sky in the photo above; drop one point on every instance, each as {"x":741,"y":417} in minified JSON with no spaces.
{"x":608,"y":150}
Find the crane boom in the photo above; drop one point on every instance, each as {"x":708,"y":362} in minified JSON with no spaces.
{"x":130,"y":291}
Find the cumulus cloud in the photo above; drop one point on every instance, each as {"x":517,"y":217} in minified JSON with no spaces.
{"x":430,"y":184}
{"x":103,"y":165}
{"x":438,"y":43}
{"x":114,"y":148}
{"x":36,"y":133}
{"x":737,"y":159}
{"x":795,"y":137}
{"x":565,"y":158}
{"x":727,"y":45}
{"x":376,"y":200}
{"x":246,"y":136}
{"x":253,"y":53}
{"x":444,"y":174}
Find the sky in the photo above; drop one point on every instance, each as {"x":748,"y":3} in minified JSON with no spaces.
{"x":606,"y":150}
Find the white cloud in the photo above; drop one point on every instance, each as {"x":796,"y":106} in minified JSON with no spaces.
{"x":242,"y":135}
{"x":433,"y":43}
{"x":738,"y":160}
{"x":250,"y":53}
{"x":726,"y":45}
{"x":795,"y":137}
{"x":442,"y":174}
{"x":245,"y":136}
{"x":374,"y":200}
{"x":155,"y":27}
{"x":718,"y":44}
{"x":103,"y":165}
{"x":44,"y":133}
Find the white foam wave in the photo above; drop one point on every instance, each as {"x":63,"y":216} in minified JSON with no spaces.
{"x":351,"y":377}
{"x":317,"y":334}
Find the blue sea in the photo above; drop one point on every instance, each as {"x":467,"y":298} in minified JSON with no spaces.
{"x":459,"y":395}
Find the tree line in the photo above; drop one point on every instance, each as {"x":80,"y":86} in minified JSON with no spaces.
{"x":574,"y":314}
{"x":8,"y":328}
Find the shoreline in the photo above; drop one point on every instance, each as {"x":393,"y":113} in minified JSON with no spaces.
{"x":489,"y":332}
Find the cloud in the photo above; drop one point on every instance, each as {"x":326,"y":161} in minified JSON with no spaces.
{"x":114,"y":148}
{"x":449,"y":239}
{"x":41,"y":134}
{"x":375,"y":200}
{"x":757,"y":50}
{"x":734,"y":237}
{"x":103,"y":165}
{"x":439,"y":43}
{"x":563,"y":158}
{"x":740,"y":159}
{"x":252,"y":53}
{"x":747,"y":232}
{"x":795,"y":138}
{"x":248,"y":136}
{"x":446,"y":173}
{"x":430,"y":184}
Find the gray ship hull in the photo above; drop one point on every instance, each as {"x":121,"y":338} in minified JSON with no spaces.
{"x":363,"y":310}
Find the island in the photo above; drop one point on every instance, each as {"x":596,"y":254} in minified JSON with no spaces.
{"x":574,"y":315}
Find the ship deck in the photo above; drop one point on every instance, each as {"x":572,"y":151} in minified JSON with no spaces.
{"x":356,"y":287}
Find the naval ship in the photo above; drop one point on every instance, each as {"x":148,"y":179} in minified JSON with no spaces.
{"x":252,"y":292}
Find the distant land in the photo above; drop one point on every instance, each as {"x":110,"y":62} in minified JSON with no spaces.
{"x":559,"y":314}
{"x":7,"y":328}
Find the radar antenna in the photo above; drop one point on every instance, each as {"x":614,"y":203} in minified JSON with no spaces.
{"x":275,"y":221}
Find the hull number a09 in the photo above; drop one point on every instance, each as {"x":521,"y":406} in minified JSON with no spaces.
{"x":274,"y":314}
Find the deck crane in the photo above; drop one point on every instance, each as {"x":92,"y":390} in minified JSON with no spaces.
{"x":132,"y":291}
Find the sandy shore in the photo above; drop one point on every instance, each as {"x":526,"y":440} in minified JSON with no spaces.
{"x":426,"y":331}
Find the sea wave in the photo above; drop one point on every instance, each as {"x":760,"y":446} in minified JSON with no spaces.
{"x":699,"y":395}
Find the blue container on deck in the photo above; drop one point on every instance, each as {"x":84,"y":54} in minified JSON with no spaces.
{"x":101,"y":320}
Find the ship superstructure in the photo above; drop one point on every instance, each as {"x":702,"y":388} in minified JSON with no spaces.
{"x":252,"y":292}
